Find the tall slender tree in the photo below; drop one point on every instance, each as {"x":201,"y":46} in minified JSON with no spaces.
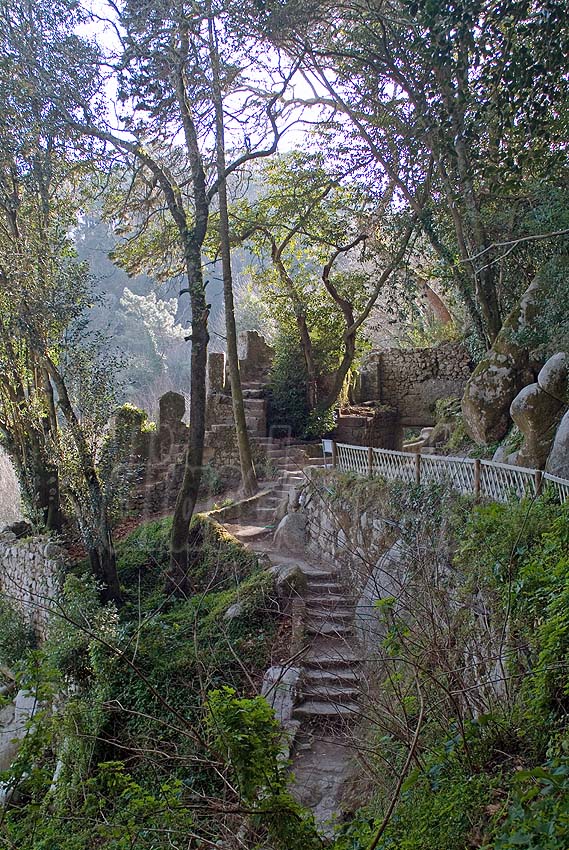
{"x":161,"y":138}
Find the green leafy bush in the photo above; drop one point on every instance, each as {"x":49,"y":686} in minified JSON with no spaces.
{"x":538,"y":816}
{"x":16,"y":635}
{"x":247,"y":735}
{"x":288,"y":408}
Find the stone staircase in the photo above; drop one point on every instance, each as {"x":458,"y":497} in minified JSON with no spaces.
{"x":255,"y":404}
{"x":328,"y":697}
{"x":330,"y":665}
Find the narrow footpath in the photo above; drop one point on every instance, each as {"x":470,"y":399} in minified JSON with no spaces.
{"x":327,"y":696}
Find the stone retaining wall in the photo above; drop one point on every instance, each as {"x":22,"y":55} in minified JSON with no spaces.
{"x":30,"y":574}
{"x":413,"y":380}
{"x":395,"y":554}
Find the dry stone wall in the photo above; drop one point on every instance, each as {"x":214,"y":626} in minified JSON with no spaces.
{"x":399,"y":556}
{"x":378,"y":427}
{"x":31,"y":571}
{"x":412,"y":381}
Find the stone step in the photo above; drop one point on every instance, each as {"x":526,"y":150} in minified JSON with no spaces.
{"x":322,"y":708}
{"x":330,"y":676}
{"x":247,"y":533}
{"x":327,"y":629}
{"x":249,"y":394}
{"x":314,"y":574}
{"x":326,"y":654}
{"x":334,"y":614}
{"x":281,"y":494}
{"x":254,"y":403}
{"x":325,"y":583}
{"x":317,"y":614}
{"x":330,"y":600}
{"x":293,"y":476}
{"x":331,"y":693}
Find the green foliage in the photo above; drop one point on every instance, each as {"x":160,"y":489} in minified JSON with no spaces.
{"x":246,"y":733}
{"x":444,"y":807}
{"x":117,"y":663}
{"x":320,"y":423}
{"x":540,"y":600}
{"x":77,"y":627}
{"x":288,"y":406}
{"x":498,"y":535}
{"x":467,"y":788}
{"x":114,"y":811}
{"x":549,"y":331}
{"x":16,"y":635}
{"x":538,"y":815}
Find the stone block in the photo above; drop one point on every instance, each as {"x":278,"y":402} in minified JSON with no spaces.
{"x":216,"y":372}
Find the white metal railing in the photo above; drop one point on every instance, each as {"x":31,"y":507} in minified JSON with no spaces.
{"x":482,"y":478}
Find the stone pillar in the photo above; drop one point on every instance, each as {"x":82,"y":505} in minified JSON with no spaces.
{"x":255,"y":356}
{"x":216,"y":372}
{"x":171,"y":429}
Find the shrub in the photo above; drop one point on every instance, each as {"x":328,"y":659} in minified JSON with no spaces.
{"x":288,"y":409}
{"x":538,"y":816}
{"x":16,"y":635}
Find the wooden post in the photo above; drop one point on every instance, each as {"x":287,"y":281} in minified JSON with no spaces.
{"x":334,"y":455}
{"x":477,"y":469}
{"x":369,"y":461}
{"x":418,"y":467}
{"x":538,"y":481}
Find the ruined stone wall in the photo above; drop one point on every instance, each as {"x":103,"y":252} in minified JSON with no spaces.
{"x":380,"y":428}
{"x":413,"y":380}
{"x":31,"y":570}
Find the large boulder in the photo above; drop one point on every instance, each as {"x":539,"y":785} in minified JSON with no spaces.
{"x":291,"y":534}
{"x":538,"y":409}
{"x":553,"y":378}
{"x":537,"y":414}
{"x":384,"y":582}
{"x":558,"y":460}
{"x":501,"y":373}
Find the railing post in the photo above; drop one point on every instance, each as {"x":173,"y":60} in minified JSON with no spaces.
{"x":477,"y":478}
{"x":418,"y":467}
{"x":369,"y":461}
{"x":334,"y":455}
{"x":538,"y":481}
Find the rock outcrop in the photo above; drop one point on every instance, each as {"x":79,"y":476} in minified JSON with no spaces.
{"x":501,"y":374}
{"x":558,"y":460}
{"x":538,"y":409}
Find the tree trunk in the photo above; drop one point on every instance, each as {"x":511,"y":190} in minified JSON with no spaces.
{"x":303,"y":330}
{"x":99,"y":542}
{"x":248,"y":476}
{"x":177,"y":577}
{"x":54,"y":514}
{"x":341,"y":372}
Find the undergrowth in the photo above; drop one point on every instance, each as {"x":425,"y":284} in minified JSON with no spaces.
{"x":491,"y":765}
{"x":162,"y":741}
{"x":128,"y":759}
